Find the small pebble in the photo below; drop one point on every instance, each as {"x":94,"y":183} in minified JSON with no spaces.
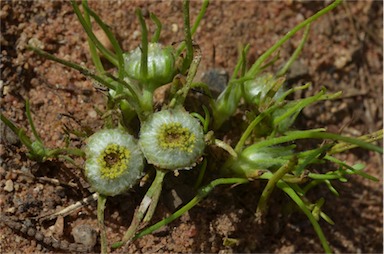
{"x":216,"y":79}
{"x":8,"y":185}
{"x":25,"y":169}
{"x":135,"y":34}
{"x":175,"y":28}
{"x":11,"y":210}
{"x":92,"y":113}
{"x":58,"y":228}
{"x":85,"y":234}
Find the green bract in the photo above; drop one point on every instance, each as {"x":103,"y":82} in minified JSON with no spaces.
{"x":253,"y":159}
{"x":114,"y":161}
{"x":161,"y":65}
{"x":172,"y":139}
{"x":262,"y":87}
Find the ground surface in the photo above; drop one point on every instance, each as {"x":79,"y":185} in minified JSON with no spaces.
{"x":344,"y":52}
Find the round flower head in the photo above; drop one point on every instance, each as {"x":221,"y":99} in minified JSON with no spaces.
{"x":172,"y":139}
{"x":161,"y":65}
{"x":114,"y":161}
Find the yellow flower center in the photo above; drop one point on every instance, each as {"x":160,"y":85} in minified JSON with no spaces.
{"x":175,"y":136}
{"x":113,"y":161}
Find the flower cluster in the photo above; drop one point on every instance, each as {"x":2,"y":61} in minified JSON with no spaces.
{"x":170,"y":139}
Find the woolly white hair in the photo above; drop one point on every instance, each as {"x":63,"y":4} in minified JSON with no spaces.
{"x":96,"y":145}
{"x":173,"y":157}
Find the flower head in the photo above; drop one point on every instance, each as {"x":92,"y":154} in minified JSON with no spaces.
{"x":172,"y":139}
{"x":161,"y":65}
{"x":114,"y":161}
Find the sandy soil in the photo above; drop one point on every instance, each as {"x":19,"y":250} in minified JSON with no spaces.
{"x":344,"y":53}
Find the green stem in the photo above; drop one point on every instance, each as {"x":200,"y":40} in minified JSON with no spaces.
{"x":315,"y":176}
{"x":134,"y":90}
{"x":155,"y":198}
{"x":202,"y":171}
{"x":241,"y":63}
{"x":92,"y":48}
{"x":191,"y":73}
{"x":341,"y":147}
{"x":292,"y":90}
{"x":187,"y":37}
{"x":352,"y":170}
{"x":28,"y":112}
{"x":225,"y":147}
{"x":256,"y":66}
{"x":298,"y":106}
{"x":316,"y":134}
{"x":146,"y":105}
{"x":144,"y":45}
{"x":108,"y":54}
{"x":262,"y":204}
{"x":251,"y":126}
{"x":295,"y":54}
{"x":287,"y":189}
{"x":156,"y":36}
{"x":59,"y":151}
{"x":202,"y":193}
{"x":181,"y":94}
{"x":200,"y":16}
{"x":18,"y":131}
{"x":112,"y":39}
{"x":195,"y":25}
{"x":77,"y":67}
{"x":311,"y":156}
{"x":148,"y":200}
{"x":100,"y":219}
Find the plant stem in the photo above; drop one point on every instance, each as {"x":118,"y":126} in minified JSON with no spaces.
{"x":225,"y":147}
{"x":144,"y":45}
{"x":200,"y":16}
{"x":195,"y":25}
{"x":202,"y":170}
{"x":299,"y":105}
{"x":150,"y":199}
{"x":187,"y":37}
{"x":342,"y":146}
{"x":112,"y":39}
{"x":262,"y":204}
{"x":202,"y":193}
{"x":158,"y":182}
{"x":316,"y":134}
{"x":146,"y":104}
{"x":295,"y":54}
{"x":156,"y":36}
{"x":296,"y":198}
{"x":92,"y":48}
{"x":100,"y":218}
{"x":18,"y":131}
{"x":256,"y":66}
{"x":59,"y":151}
{"x":28,"y":112}
{"x":108,"y":54}
{"x":239,"y":146}
{"x":77,"y":67}
{"x":181,"y":94}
